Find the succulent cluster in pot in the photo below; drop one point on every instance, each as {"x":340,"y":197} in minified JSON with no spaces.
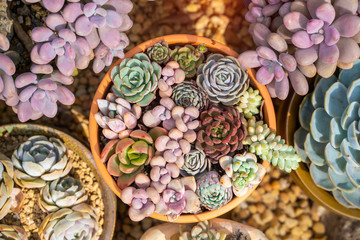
{"x":42,"y":162}
{"x":170,"y":116}
{"x":299,"y":39}
{"x":75,"y":33}
{"x":328,"y":139}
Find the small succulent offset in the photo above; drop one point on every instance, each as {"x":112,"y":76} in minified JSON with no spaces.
{"x":212,"y":194}
{"x":9,"y":232}
{"x":127,"y":157}
{"x":6,"y":185}
{"x":136,"y":79}
{"x":187,"y":94}
{"x":242,"y":172}
{"x":171,"y":74}
{"x":78,"y":222}
{"x":221,"y":132}
{"x":62,"y":193}
{"x":189,"y":58}
{"x":250,"y":103}
{"x":159,"y":53}
{"x":39,"y":160}
{"x":223,"y":79}
{"x":328,"y":138}
{"x":269,"y":147}
{"x":195,"y":163}
{"x":201,"y":231}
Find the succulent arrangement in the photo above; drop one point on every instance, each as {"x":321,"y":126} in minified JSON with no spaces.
{"x":202,"y":230}
{"x":299,"y":39}
{"x":164,"y":149}
{"x":42,"y":162}
{"x":328,"y":139}
{"x":74,"y":33}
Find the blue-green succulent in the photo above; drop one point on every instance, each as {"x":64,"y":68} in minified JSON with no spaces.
{"x":328,"y":138}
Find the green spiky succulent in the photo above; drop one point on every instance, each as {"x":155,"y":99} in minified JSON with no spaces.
{"x":189,"y":58}
{"x":160,"y":52}
{"x":136,"y":79}
{"x":187,"y":94}
{"x":249,"y":103}
{"x":269,"y":147}
{"x":202,"y":231}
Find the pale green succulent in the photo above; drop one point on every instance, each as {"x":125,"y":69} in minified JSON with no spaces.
{"x":8,"y":232}
{"x":38,"y":160}
{"x":6,"y":185}
{"x":62,"y":193}
{"x":80,"y":222}
{"x":202,"y":231}
{"x":195,"y":163}
{"x":329,"y":135}
{"x":249,"y":103}
{"x":136,"y":79}
{"x":269,"y":147}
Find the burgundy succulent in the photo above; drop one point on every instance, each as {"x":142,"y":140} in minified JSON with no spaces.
{"x":221,"y":132}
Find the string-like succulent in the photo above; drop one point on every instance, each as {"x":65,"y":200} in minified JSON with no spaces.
{"x":38,"y":160}
{"x":6,"y":185}
{"x":187,"y":94}
{"x":269,"y":147}
{"x":222,"y":79}
{"x":160,"y":52}
{"x":62,"y":193}
{"x":249,"y":103}
{"x":9,"y":232}
{"x":195,"y":163}
{"x":189,"y":58}
{"x":201,"y":231}
{"x":136,"y":79}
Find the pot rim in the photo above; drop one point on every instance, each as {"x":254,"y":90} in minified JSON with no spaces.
{"x":180,"y":39}
{"x":288,"y":119}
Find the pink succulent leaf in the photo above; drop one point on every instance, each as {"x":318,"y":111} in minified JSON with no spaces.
{"x":101,"y":11}
{"x":329,"y":54}
{"x":331,"y":35}
{"x":42,"y":34}
{"x":266,"y":53}
{"x":52,"y":96}
{"x":55,"y":21}
{"x":127,"y":23}
{"x":50,"y":109}
{"x":346,"y":6}
{"x":288,"y":61}
{"x":69,"y":52}
{"x":260,"y":33}
{"x":25,"y":79}
{"x":301,"y":39}
{"x":113,"y":19}
{"x":121,"y":6}
{"x":61,"y":78}
{"x":1,"y":84}
{"x":72,"y":11}
{"x":264,"y":75}
{"x":47,"y":84}
{"x":250,"y":18}
{"x":119,"y":53}
{"x":271,"y":89}
{"x":82,"y":62}
{"x":4,"y":42}
{"x":38,"y":100}
{"x":317,"y":38}
{"x":58,"y":43}
{"x":89,"y":9}
{"x":7,"y":65}
{"x":41,"y":69}
{"x":279,"y":72}
{"x":347,"y":25}
{"x":285,"y":9}
{"x":282,"y":88}
{"x":98,"y":65}
{"x":271,"y":9}
{"x":59,"y":51}
{"x":47,"y":52}
{"x":35,"y":57}
{"x":100,"y":2}
{"x":24,"y":111}
{"x":101,"y":51}
{"x":67,"y":35}
{"x":65,"y":65}
{"x":65,"y":96}
{"x":98,"y":21}
{"x":261,"y":3}
{"x":27,"y":92}
{"x":256,"y":11}
{"x":306,"y":56}
{"x":312,"y":5}
{"x":326,"y":12}
{"x":295,"y":21}
{"x":93,"y":38}
{"x":299,"y":82}
{"x":110,"y":37}
{"x":83,"y":26}
{"x":314,"y":26}
{"x":108,"y":59}
{"x":348,"y":49}
{"x":53,"y":5}
{"x":9,"y":92}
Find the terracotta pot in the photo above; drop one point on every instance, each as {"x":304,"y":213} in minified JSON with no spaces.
{"x":75,"y":146}
{"x":288,"y":119}
{"x":169,"y":231}
{"x":104,"y":87}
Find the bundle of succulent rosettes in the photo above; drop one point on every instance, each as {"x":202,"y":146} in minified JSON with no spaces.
{"x":43,"y":163}
{"x":170,"y":116}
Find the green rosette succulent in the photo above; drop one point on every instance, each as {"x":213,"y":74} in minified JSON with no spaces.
{"x":62,"y":193}
{"x":212,"y":194}
{"x":160,"y":52}
{"x":195,"y":163}
{"x":328,"y":138}
{"x":6,"y":185}
{"x":250,"y":103}
{"x":79,"y":222}
{"x":269,"y":147}
{"x":189,"y":58}
{"x":8,"y":232}
{"x":136,"y":79}
{"x":187,"y":94}
{"x":223,"y":79}
{"x":202,"y":231}
{"x":38,"y":160}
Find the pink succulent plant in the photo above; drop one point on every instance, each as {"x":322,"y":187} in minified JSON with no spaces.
{"x":52,"y":5}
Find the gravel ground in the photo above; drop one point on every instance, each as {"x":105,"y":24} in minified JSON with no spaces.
{"x":278,"y":207}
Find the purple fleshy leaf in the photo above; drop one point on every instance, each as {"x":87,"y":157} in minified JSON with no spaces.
{"x":42,"y":34}
{"x":271,"y":89}
{"x":98,"y":65}
{"x":82,"y":62}
{"x":108,"y":58}
{"x":299,"y":82}
{"x":98,"y":21}
{"x":326,"y":12}
{"x":72,"y":11}
{"x":67,"y":35}
{"x":331,"y":35}
{"x":260,"y":33}
{"x":26,"y":93}
{"x":65,"y":65}
{"x":93,"y":38}
{"x":89,"y":9}
{"x":317,"y":38}
{"x":7,"y":65}
{"x":348,"y":49}
{"x":47,"y":52}
{"x":50,"y":109}
{"x":256,"y":11}
{"x":25,"y":79}
{"x":113,"y":19}
{"x":314,"y":26}
{"x":53,"y":5}
{"x":121,"y":6}
{"x":306,"y":56}
{"x":69,"y":52}
{"x":127,"y":23}
{"x":10,"y":92}
{"x":38,"y":100}
{"x":1,"y":84}
{"x":282,"y":88}
{"x":61,"y":78}
{"x":60,"y":51}
{"x":279,"y":72}
{"x":82,"y":46}
{"x":101,"y":51}
{"x":24,"y":111}
{"x":35,"y":57}
{"x":4,"y":42}
{"x":65,"y":96}
{"x":301,"y":39}
{"x":271,"y":9}
{"x":328,"y":54}
{"x":346,"y":6}
{"x":249,"y":59}
{"x":47,"y":84}
{"x":266,"y":53}
{"x":55,"y":22}
{"x":264,"y":75}
{"x":312,"y":5}
{"x":285,"y":9}
{"x":347,"y":25}
{"x":58,"y":43}
{"x":101,"y":11}
{"x":250,"y":18}
{"x":110,"y":37}
{"x":288,"y":61}
{"x":83,"y":26}
{"x":295,"y":21}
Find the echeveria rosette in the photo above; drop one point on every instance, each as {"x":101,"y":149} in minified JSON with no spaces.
{"x":187,"y":94}
{"x":6,"y":185}
{"x":10,"y":232}
{"x":223,"y":79}
{"x":127,"y":157}
{"x":201,"y":231}
{"x":62,"y":193}
{"x":38,"y":160}
{"x":38,"y":94}
{"x":195,"y":163}
{"x":78,"y":222}
{"x":136,"y":79}
{"x":250,"y":103}
{"x":243,"y":171}
{"x":221,"y":132}
{"x":189,"y":58}
{"x":159,"y":53}
{"x":329,"y":135}
{"x":267,"y":146}
{"x":212,"y":194}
